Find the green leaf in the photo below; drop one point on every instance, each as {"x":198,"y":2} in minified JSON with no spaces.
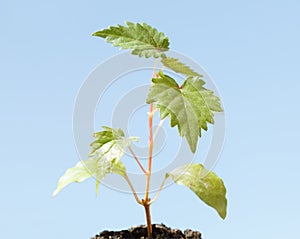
{"x":205,"y":184}
{"x":108,"y":135}
{"x":179,"y":67}
{"x":105,"y":167}
{"x":144,"y":40}
{"x":82,"y":171}
{"x":107,"y":150}
{"x":190,"y":106}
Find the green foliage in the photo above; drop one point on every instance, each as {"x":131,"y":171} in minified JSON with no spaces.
{"x":206,"y":185}
{"x":179,"y":67}
{"x":144,"y":40}
{"x":107,"y":150}
{"x":83,"y":170}
{"x":189,"y":106}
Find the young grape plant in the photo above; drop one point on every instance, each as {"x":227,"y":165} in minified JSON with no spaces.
{"x":189,"y":106}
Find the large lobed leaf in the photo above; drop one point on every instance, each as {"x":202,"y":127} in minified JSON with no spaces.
{"x":107,"y":149}
{"x":179,"y":67}
{"x":205,"y":184}
{"x":144,"y":40}
{"x":189,"y":106}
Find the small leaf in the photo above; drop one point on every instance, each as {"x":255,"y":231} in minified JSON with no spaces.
{"x":105,"y":167}
{"x":110,"y":136}
{"x":179,"y":67}
{"x":107,"y":150}
{"x":144,"y":40}
{"x":190,"y":106}
{"x":205,"y":184}
{"x":83,"y":170}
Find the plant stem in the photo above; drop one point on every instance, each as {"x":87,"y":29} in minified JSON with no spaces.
{"x":148,"y":219}
{"x":146,"y":200}
{"x":159,"y":191}
{"x":150,"y":143}
{"x":137,"y":160}
{"x":133,"y":190}
{"x":158,"y":128}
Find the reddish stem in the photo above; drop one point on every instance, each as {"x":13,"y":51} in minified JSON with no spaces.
{"x":137,"y":160}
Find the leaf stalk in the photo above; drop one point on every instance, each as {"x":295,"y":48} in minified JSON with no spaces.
{"x":159,"y":191}
{"x":133,"y":190}
{"x":137,"y":160}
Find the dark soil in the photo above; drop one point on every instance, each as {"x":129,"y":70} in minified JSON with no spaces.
{"x":159,"y":231}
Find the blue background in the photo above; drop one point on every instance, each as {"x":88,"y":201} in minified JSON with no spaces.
{"x":251,"y":48}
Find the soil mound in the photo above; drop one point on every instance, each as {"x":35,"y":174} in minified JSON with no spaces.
{"x":159,"y":231}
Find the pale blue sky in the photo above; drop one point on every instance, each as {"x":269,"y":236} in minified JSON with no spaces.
{"x":250,"y":48}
